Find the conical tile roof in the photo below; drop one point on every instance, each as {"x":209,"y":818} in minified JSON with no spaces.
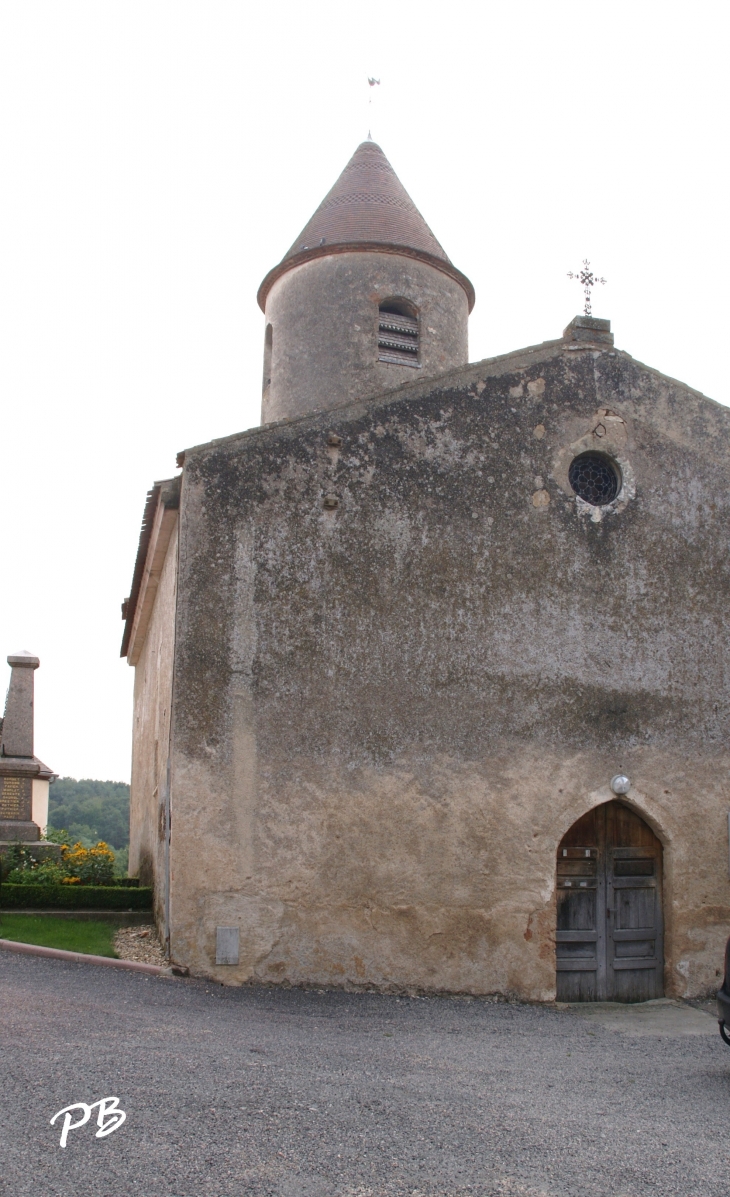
{"x":368,"y":203}
{"x":367,"y":208}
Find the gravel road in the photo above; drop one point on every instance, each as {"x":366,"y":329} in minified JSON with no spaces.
{"x":286,"y":1093}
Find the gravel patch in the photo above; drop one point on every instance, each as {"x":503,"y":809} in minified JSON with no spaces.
{"x":257,"y":1092}
{"x":141,"y":944}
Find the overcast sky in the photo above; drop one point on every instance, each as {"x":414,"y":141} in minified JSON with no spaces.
{"x":157,"y":158}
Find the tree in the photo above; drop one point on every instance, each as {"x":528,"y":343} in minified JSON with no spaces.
{"x":90,"y":810}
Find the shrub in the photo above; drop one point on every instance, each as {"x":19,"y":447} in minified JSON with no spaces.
{"x":88,"y":866}
{"x":18,"y":859}
{"x":121,"y":862}
{"x":48,"y":872}
{"x":78,"y":865}
{"x":54,"y":836}
{"x":74,"y":897}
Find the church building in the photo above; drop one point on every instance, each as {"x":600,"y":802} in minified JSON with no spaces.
{"x":432,"y":681}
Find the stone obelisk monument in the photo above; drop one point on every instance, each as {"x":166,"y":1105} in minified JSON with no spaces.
{"x":24,"y":780}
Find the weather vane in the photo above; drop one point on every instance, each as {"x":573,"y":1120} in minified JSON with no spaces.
{"x":372,"y":82}
{"x":587,"y":279}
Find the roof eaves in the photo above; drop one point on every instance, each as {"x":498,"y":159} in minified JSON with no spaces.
{"x":359,"y":247}
{"x":170,"y":499}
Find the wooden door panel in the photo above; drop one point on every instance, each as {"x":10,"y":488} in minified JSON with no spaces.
{"x":629,"y":936}
{"x":609,"y":918}
{"x":577,"y":910}
{"x":572,"y":952}
{"x":638,"y":964}
{"x":635,"y":908}
{"x":579,"y":904}
{"x":633,"y":868}
{"x":633,"y":862}
{"x":629,"y":829}
{"x":578,"y":983}
{"x":634,"y":985}
{"x":634,"y":947}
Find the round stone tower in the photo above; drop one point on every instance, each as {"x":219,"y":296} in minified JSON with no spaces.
{"x":364,"y":301}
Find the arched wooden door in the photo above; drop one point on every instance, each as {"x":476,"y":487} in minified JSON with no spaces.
{"x":609,"y":944}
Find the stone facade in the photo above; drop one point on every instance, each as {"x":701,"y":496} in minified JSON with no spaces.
{"x":152,"y":704}
{"x":393,"y":653}
{"x":149,"y":646}
{"x":388,"y":713}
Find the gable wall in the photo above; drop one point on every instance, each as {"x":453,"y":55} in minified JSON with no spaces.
{"x":388,"y":713}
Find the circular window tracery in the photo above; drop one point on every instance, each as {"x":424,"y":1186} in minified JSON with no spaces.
{"x":594,"y":479}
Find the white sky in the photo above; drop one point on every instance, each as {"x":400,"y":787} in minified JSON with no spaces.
{"x":157,"y":158}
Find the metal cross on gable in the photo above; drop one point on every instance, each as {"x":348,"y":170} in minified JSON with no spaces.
{"x":587,"y":279}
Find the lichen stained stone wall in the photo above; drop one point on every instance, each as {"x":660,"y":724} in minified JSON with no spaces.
{"x":408,"y":659}
{"x":151,"y":738}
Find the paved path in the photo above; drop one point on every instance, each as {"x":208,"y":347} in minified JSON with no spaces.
{"x":306,"y":1094}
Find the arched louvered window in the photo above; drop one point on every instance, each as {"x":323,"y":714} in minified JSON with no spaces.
{"x":398,"y":332}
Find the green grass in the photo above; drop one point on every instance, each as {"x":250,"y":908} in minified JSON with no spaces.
{"x":73,"y":935}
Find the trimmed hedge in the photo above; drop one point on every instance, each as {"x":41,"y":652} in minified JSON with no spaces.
{"x":74,"y":897}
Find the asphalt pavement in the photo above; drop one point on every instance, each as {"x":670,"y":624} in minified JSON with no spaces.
{"x":293,"y":1093}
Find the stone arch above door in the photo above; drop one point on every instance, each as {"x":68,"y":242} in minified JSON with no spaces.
{"x":609,"y":931}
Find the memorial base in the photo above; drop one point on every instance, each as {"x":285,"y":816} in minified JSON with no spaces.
{"x":38,"y":849}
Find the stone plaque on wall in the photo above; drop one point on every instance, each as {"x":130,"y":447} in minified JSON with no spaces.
{"x":15,"y":798}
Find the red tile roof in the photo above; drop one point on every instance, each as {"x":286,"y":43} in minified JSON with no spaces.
{"x":368,"y":203}
{"x":367,"y":208}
